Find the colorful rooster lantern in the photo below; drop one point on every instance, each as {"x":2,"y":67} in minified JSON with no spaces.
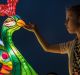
{"x":11,"y":60}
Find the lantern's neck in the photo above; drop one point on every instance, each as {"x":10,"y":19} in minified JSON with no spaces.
{"x":6,"y":36}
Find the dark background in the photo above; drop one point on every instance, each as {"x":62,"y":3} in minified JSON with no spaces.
{"x":3,"y":1}
{"x":49,"y":16}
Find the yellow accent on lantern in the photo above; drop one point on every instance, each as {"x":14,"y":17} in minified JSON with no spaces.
{"x":20,"y":23}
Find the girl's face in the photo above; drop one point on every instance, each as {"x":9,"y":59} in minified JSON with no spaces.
{"x":71,"y":22}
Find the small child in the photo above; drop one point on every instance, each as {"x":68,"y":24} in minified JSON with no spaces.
{"x":71,"y":48}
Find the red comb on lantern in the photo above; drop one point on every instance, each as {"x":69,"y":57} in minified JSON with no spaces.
{"x":8,"y":9}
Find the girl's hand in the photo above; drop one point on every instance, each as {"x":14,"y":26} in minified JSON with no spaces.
{"x":30,"y":27}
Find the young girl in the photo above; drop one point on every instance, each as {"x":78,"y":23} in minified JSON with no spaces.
{"x":71,"y":48}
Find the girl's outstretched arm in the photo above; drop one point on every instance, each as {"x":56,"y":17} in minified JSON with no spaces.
{"x":55,"y":48}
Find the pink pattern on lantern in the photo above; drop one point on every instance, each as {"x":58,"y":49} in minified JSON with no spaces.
{"x":5,"y":55}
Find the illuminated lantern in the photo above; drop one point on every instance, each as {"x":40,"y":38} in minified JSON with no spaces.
{"x":19,"y":65}
{"x":12,"y":61}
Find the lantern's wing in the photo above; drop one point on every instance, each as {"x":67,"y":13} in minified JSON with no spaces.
{"x":5,"y":60}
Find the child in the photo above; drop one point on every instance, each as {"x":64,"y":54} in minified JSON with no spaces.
{"x":71,"y":48}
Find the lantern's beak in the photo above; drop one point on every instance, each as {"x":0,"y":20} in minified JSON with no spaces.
{"x":22,"y":24}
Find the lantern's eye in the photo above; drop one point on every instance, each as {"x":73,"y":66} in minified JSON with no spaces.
{"x":9,"y":22}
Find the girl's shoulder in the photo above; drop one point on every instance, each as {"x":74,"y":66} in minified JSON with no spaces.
{"x":66,"y":46}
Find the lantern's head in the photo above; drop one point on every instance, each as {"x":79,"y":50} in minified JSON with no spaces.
{"x":13,"y":22}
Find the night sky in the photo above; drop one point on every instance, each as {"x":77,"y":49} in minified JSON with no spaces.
{"x":49,"y":16}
